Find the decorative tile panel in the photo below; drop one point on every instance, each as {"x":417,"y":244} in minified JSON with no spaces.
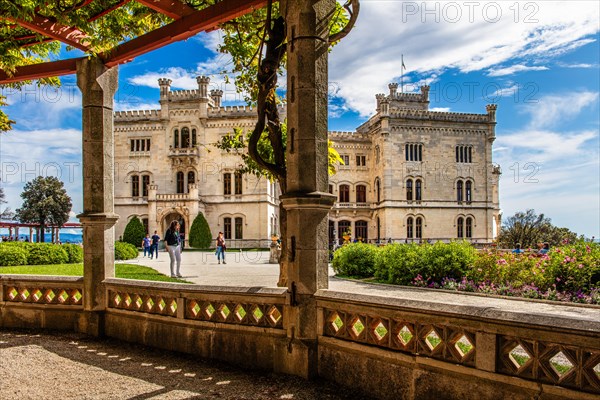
{"x":43,"y":295}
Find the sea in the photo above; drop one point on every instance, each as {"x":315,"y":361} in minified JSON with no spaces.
{"x":65,"y":235}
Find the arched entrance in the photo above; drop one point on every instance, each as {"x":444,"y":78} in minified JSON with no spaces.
{"x":174,"y":216}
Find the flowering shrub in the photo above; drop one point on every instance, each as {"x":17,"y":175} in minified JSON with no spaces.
{"x":356,"y":259}
{"x":567,"y":273}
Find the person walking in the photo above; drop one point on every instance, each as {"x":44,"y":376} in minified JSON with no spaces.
{"x":221,"y":248}
{"x":146,"y":245}
{"x":154,"y":247}
{"x":173,"y":246}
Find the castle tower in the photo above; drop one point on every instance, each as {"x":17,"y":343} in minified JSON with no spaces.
{"x":165,"y":88}
{"x":393,"y":89}
{"x":216,"y":95}
{"x":203,"y":82}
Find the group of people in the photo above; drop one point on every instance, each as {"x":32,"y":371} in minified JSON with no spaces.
{"x":174,"y":245}
{"x":543,"y":248}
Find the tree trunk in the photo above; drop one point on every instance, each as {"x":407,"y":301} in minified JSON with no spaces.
{"x":42,"y":228}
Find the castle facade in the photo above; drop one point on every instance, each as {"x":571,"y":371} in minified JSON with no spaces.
{"x":409,"y":174}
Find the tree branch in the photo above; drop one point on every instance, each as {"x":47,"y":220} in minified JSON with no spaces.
{"x":353,"y":8}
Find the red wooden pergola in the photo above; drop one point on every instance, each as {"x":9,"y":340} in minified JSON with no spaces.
{"x":187,"y":22}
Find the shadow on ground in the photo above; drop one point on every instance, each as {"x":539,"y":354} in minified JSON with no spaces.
{"x":71,"y":366}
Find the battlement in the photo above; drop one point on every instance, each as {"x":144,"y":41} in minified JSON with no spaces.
{"x":343,"y":135}
{"x":440,"y":116}
{"x":178,"y":95}
{"x":237,"y":111}
{"x":136,"y":115}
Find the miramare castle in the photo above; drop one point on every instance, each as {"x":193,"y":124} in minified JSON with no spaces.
{"x":410,"y":174}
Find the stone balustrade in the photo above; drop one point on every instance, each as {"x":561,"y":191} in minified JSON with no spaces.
{"x":386,"y":347}
{"x":173,"y":196}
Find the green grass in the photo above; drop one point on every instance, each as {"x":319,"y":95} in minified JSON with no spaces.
{"x":127,"y":271}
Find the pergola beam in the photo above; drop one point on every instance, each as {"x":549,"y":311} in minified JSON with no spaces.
{"x":183,"y":28}
{"x":171,"y":8}
{"x":66,"y":34}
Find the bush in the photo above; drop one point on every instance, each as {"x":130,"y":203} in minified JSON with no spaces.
{"x":200,"y":235}
{"x":47,"y":254}
{"x":13,"y":255}
{"x":125,"y":251}
{"x":445,"y":260}
{"x":74,"y":252}
{"x":355,"y":259}
{"x":134,"y":232}
{"x":398,"y":263}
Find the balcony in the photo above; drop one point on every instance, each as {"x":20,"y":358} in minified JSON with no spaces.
{"x":184,"y":152}
{"x":173,"y":196}
{"x":352,"y":205}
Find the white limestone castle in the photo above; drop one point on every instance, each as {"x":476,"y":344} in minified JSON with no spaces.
{"x":409,"y":174}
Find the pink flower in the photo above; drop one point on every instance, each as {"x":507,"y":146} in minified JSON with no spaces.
{"x":557,"y":279}
{"x":580,"y":266}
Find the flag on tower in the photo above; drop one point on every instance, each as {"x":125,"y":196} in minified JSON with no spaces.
{"x":403,"y":66}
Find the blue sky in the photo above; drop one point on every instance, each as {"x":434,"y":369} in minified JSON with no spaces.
{"x":539,"y":61}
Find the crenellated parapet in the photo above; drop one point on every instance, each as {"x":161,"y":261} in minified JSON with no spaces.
{"x":238,"y":111}
{"x":136,"y":115}
{"x":347,"y":135}
{"x":439,"y":116}
{"x":182,"y":95}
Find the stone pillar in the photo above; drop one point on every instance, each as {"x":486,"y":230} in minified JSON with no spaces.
{"x":98,"y":85}
{"x":307,"y":201}
{"x":153,"y":222}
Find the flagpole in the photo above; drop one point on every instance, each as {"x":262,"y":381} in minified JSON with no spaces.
{"x":402,"y":75}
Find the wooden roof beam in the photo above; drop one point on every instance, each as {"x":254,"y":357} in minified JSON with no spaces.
{"x":41,"y":70}
{"x":66,"y":34}
{"x":171,"y":8}
{"x":201,"y":20}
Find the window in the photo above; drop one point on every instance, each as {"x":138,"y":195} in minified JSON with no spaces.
{"x":361,"y":194}
{"x":409,"y":227}
{"x":194,"y":138}
{"x":468,"y":190}
{"x":227,"y":184}
{"x":378,"y":189}
{"x":361,"y":161}
{"x":239,"y":228}
{"x":227,"y":228}
{"x":460,"y":225}
{"x":360,"y":230}
{"x":185,"y":137}
{"x":135,"y":186}
{"x":464,"y":153}
{"x":419,"y":228}
{"x":191,"y":179}
{"x":413,"y":152}
{"x":469,"y":227}
{"x":343,"y":227}
{"x":346,"y":159}
{"x":145,"y":183}
{"x":418,"y":190}
{"x":238,"y":183}
{"x":331,"y":189}
{"x":180,"y":182}
{"x":459,"y":191}
{"x":176,"y":138}
{"x":139,"y":145}
{"x":409,"y":189}
{"x":344,"y":194}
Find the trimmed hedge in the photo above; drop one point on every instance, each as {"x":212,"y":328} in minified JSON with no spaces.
{"x":134,"y":232}
{"x":75,"y":253}
{"x":12,"y":255}
{"x":356,"y":259}
{"x":47,"y":253}
{"x":125,"y":251}
{"x":200,"y":235}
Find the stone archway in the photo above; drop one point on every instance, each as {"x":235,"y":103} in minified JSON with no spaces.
{"x":173,"y":216}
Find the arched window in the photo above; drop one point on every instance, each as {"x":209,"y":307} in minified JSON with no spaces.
{"x":457,"y":151}
{"x":378,"y":229}
{"x":378,"y":189}
{"x":185,"y":137}
{"x":135,"y":186}
{"x":344,"y":194}
{"x":227,"y":184}
{"x":331,"y":189}
{"x":227,"y":228}
{"x":470,"y":154}
{"x":191,"y":179}
{"x":459,"y":191}
{"x":239,"y":228}
{"x":409,"y":227}
{"x":361,"y":230}
{"x":419,"y":227}
{"x":343,"y":227}
{"x":238,"y":182}
{"x":460,"y":227}
{"x":145,"y":184}
{"x":180,"y":182}
{"x":469,"y":227}
{"x":176,"y":138}
{"x":468,"y":190}
{"x":420,"y":158}
{"x":361,"y":194}
{"x":418,"y":190}
{"x":409,"y":189}
{"x":194,"y":139}
{"x":407,"y":151}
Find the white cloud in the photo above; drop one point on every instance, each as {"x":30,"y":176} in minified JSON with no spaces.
{"x":550,"y":110}
{"x":467,"y":44}
{"x":440,"y":109}
{"x":514,"y":69}
{"x":579,"y":65}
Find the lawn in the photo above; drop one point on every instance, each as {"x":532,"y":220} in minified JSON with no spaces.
{"x":127,"y":271}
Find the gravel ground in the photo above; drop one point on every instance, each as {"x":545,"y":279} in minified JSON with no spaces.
{"x":39,"y":365}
